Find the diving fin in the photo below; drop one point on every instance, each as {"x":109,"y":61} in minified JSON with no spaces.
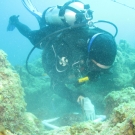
{"x":32,"y":9}
{"x":12,"y":22}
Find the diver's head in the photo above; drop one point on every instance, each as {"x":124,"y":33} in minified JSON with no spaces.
{"x":102,"y":52}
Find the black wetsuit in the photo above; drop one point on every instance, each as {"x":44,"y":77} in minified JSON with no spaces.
{"x":70,"y":45}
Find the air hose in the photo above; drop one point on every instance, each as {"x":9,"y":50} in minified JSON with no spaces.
{"x":103,"y":21}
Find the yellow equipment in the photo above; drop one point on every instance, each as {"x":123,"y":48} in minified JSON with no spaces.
{"x":84,"y":79}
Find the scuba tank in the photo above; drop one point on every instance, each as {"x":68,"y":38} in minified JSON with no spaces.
{"x":71,"y":13}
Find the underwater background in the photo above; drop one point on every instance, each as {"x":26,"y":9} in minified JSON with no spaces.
{"x":35,"y":98}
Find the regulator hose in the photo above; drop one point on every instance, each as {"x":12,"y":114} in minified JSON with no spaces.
{"x":103,"y":21}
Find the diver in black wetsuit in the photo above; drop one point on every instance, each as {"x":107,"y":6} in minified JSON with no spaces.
{"x":73,"y":48}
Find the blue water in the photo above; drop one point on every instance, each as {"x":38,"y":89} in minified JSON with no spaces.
{"x":17,"y":47}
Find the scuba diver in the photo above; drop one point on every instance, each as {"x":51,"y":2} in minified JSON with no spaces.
{"x":74,"y":50}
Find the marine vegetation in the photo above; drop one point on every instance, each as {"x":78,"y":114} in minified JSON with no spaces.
{"x":13,"y":114}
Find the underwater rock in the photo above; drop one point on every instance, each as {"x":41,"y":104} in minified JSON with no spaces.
{"x":124,"y":66}
{"x":12,"y":105}
{"x":3,"y":131}
{"x":122,"y":121}
{"x":115,"y":98}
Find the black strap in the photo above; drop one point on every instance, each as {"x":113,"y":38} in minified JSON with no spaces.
{"x":66,"y":6}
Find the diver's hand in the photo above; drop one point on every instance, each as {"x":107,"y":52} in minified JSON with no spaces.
{"x":80,"y":99}
{"x":14,"y":20}
{"x":87,"y":107}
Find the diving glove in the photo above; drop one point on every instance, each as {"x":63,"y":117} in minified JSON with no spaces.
{"x":88,"y":109}
{"x":13,"y":20}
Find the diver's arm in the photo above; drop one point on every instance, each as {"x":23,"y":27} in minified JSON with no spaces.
{"x":33,"y":35}
{"x":64,"y":92}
